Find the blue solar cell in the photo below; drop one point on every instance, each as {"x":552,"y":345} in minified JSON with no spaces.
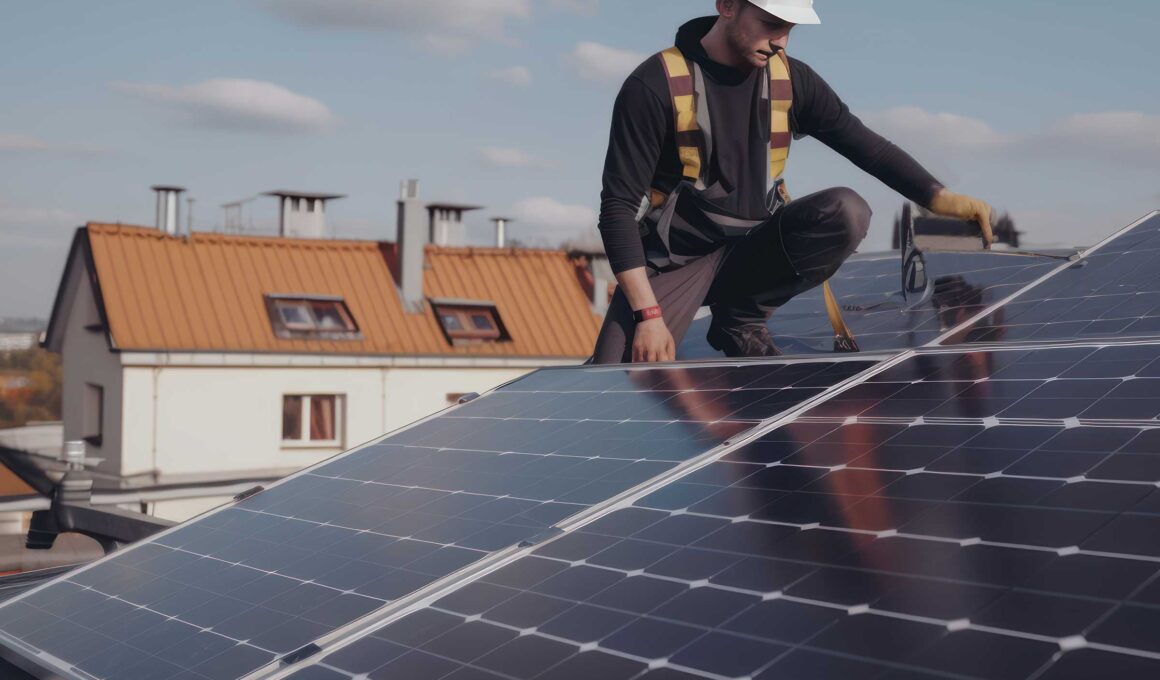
{"x":869,"y":289}
{"x":847,"y":543}
{"x":1112,"y":293}
{"x":235,"y":590}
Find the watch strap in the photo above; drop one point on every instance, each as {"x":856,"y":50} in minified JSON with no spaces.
{"x":647,"y":313}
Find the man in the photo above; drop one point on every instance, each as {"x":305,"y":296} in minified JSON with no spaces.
{"x":693,"y":210}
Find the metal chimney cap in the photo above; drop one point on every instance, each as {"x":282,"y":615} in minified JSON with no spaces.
{"x":459,"y":207}
{"x":168,"y":187}
{"x":503,"y":219}
{"x":283,"y":193}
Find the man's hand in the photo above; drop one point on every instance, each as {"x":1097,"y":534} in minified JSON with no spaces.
{"x":653,"y":342}
{"x":949,"y":204}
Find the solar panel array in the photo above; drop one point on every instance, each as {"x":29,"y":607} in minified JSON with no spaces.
{"x":948,"y":512}
{"x":929,"y":522}
{"x":869,"y":290}
{"x":1113,"y":292}
{"x":231,"y":592}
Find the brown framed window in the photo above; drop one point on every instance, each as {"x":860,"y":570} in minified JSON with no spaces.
{"x":299,"y":317}
{"x":312,"y":419}
{"x":470,"y":322}
{"x":93,"y":414}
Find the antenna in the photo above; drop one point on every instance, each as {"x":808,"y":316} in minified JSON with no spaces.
{"x":234,"y":215}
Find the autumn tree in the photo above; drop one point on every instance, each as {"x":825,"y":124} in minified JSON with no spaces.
{"x":40,"y":398}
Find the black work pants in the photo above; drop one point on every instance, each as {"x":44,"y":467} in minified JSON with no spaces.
{"x":798,"y":248}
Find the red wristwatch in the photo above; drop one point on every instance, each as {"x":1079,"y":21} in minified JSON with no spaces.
{"x":647,"y":313}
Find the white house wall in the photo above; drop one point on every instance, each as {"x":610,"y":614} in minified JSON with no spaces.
{"x":194,"y":420}
{"x":413,"y":393}
{"x":86,"y":359}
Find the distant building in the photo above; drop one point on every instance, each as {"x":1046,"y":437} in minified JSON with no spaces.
{"x":18,"y":342}
{"x":203,"y":355}
{"x":41,"y":438}
{"x":20,"y":334}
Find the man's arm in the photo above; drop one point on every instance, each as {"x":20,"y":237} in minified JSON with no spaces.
{"x":639,"y":125}
{"x":819,"y":112}
{"x":634,"y":147}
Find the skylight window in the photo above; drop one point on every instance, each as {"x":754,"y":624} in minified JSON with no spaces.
{"x":304,"y":317}
{"x":470,"y":321}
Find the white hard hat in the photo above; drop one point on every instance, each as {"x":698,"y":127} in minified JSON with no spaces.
{"x":793,"y":11}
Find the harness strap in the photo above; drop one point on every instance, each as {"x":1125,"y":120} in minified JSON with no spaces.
{"x":690,"y":138}
{"x":843,"y":338}
{"x":780,"y":103}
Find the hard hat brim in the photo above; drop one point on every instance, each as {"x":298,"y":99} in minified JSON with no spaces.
{"x":794,"y":15}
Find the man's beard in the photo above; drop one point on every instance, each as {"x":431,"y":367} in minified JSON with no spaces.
{"x":738,"y":45}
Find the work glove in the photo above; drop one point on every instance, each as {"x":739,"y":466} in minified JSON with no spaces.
{"x":947,"y":203}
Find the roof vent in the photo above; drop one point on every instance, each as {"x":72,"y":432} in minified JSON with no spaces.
{"x":302,"y":214}
{"x":501,"y":230}
{"x":168,"y":205}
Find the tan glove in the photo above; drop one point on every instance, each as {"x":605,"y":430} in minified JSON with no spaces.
{"x":949,"y":204}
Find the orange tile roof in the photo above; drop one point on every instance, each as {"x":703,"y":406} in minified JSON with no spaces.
{"x":11,"y":485}
{"x":206,"y":292}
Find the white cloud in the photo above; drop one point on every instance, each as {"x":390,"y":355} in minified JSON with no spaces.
{"x":12,"y":214}
{"x":587,"y":7}
{"x":440,"y":24}
{"x":911,"y":126}
{"x":26,"y":227}
{"x":239,"y":103}
{"x":542,"y":213}
{"x":507,"y":157}
{"x":603,"y":64}
{"x":516,"y":76}
{"x":1118,"y":136}
{"x":12,"y":142}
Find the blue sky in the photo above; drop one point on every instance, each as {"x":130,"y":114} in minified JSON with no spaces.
{"x":1043,"y":108}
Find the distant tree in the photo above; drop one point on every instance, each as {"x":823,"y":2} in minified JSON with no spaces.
{"x":40,"y":400}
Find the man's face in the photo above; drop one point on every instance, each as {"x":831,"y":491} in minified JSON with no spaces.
{"x":754,"y":33}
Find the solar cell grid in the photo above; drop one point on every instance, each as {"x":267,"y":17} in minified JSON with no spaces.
{"x":233,"y":591}
{"x":869,"y":289}
{"x":995,"y":540}
{"x":1112,"y":293}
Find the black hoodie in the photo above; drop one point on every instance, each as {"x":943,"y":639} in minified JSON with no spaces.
{"x":642,"y":153}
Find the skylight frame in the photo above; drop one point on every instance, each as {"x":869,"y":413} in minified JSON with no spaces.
{"x":315,"y":328}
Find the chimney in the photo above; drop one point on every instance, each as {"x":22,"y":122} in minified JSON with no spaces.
{"x":413,"y":231}
{"x":602,"y":277}
{"x":446,"y":223}
{"x":302,"y":214}
{"x":501,"y":230}
{"x":168,"y":206}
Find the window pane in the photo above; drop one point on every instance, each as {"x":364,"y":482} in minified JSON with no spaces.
{"x":291,"y":418}
{"x":329,"y":317}
{"x":450,"y":321}
{"x":482,"y":322}
{"x":92,"y":411}
{"x":294,"y":315}
{"x":322,"y":412}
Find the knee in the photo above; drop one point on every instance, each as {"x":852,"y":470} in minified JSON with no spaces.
{"x":853,"y":213}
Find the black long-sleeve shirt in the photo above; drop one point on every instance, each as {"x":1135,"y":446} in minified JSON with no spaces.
{"x":642,"y":152}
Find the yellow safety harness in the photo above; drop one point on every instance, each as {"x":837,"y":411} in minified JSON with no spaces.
{"x":693,"y":134}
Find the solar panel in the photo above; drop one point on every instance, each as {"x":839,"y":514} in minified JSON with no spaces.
{"x":1113,"y":292}
{"x":237,"y":589}
{"x":869,"y":289}
{"x":966,"y":514}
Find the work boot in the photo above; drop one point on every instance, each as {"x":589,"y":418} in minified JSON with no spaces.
{"x":745,"y":340}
